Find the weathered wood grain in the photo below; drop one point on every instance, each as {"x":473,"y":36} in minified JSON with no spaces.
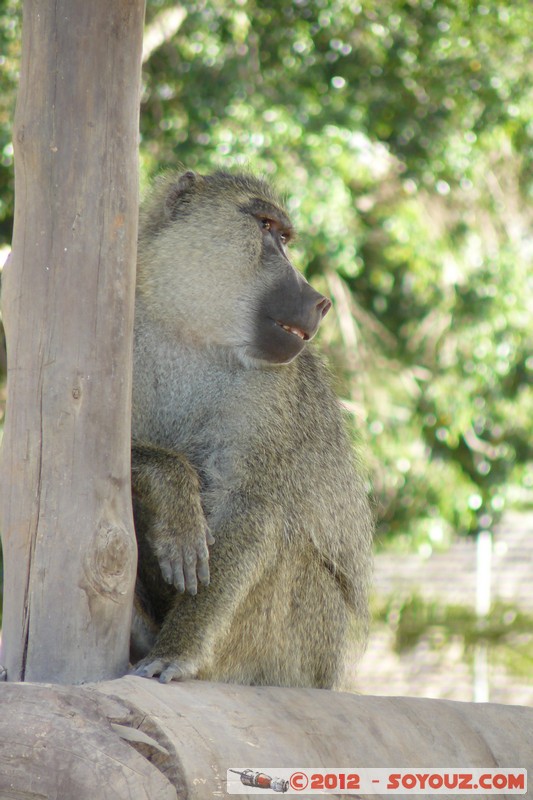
{"x":68,"y":296}
{"x":58,"y":743}
{"x":136,"y":738}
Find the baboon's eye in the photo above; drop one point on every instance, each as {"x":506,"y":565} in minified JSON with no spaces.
{"x":274,"y":226}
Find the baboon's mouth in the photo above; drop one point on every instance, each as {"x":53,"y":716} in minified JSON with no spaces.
{"x":294,"y":330}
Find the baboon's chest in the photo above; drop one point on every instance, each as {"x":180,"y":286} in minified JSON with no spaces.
{"x":185,"y":401}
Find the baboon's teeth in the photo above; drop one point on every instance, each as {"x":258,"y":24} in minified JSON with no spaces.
{"x":296,"y":331}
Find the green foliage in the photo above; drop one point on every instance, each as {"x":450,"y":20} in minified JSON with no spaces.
{"x":9,"y":64}
{"x":401,"y":134}
{"x":506,"y":631}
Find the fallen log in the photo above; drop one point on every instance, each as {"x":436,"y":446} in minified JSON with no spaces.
{"x":137,"y":739}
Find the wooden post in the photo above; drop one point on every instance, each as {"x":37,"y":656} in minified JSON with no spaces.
{"x":68,"y":299}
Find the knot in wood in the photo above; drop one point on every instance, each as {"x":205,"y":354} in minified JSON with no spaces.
{"x":109,"y":565}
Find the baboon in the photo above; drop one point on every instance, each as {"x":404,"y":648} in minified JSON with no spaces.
{"x":238,"y":445}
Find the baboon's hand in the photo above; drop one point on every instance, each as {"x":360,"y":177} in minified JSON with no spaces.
{"x":183,"y":555}
{"x":169,"y":516}
{"x":167,"y":669}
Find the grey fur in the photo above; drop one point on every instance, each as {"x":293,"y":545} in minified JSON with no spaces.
{"x":262,"y":445}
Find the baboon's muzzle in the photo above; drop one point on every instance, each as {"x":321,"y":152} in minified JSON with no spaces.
{"x":290,"y":314}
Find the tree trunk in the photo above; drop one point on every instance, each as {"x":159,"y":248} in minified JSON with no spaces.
{"x":68,"y":299}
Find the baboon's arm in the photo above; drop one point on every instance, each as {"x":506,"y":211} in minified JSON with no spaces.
{"x":167,"y":488}
{"x":247,"y":542}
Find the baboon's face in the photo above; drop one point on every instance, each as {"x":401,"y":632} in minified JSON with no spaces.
{"x":227,"y":239}
{"x":288,"y":310}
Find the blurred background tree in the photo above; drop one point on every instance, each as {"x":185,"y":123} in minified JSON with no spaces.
{"x":400,"y":133}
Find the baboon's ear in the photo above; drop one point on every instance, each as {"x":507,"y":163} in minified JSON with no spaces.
{"x":179,"y":191}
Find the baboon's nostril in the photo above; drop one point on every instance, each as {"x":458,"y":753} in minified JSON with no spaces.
{"x":324,"y":306}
